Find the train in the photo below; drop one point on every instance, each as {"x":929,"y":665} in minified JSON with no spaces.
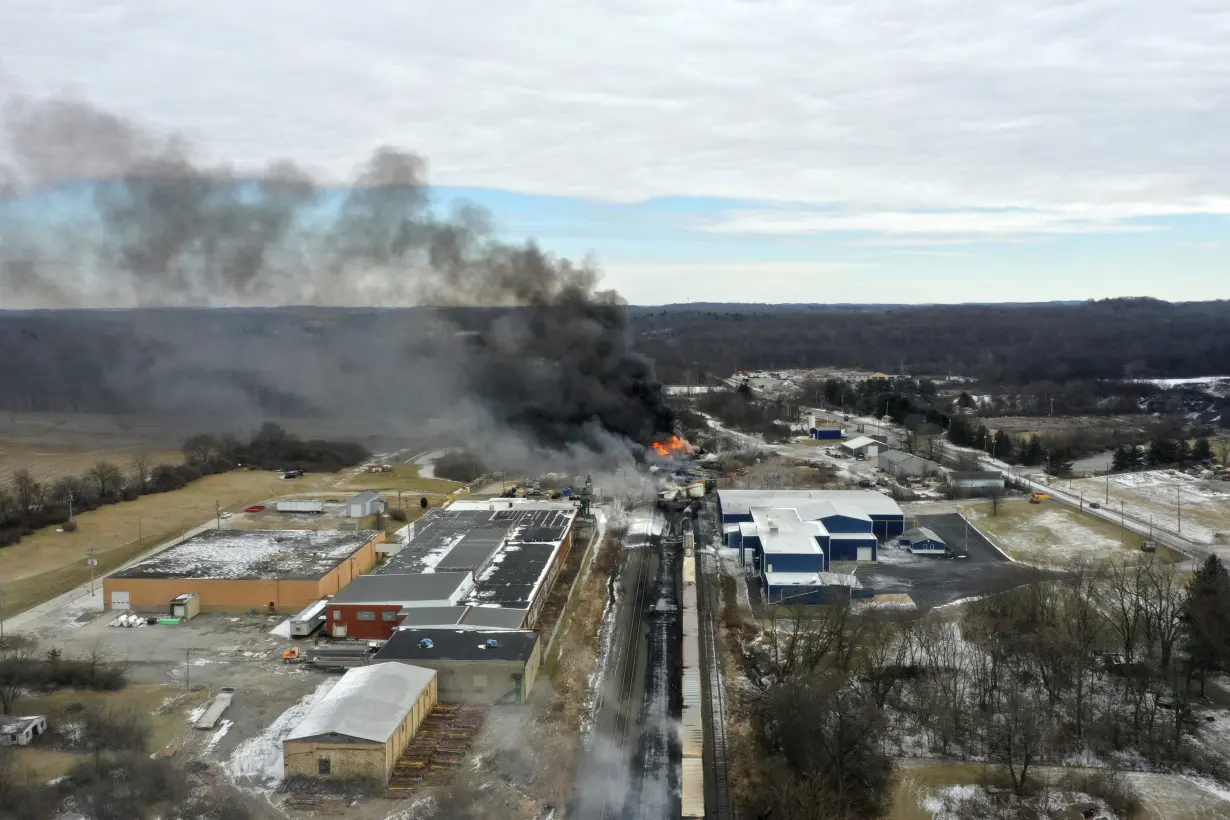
{"x":692,"y":722}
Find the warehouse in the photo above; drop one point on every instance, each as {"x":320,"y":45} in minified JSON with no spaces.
{"x":964,"y":483}
{"x":474,"y":666}
{"x":360,"y":727}
{"x":372,"y":605}
{"x":245,"y":570}
{"x":863,"y":446}
{"x":856,"y":517}
{"x":905,"y":465}
{"x":514,"y":552}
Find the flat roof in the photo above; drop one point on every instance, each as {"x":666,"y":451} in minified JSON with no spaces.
{"x":513,"y":578}
{"x":253,"y":555}
{"x":793,"y":537}
{"x":459,"y":645}
{"x":740,"y":502}
{"x":390,"y":588}
{"x":812,"y":579}
{"x":367,"y":704}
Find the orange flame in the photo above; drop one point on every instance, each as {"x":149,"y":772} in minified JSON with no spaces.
{"x":673,"y":446}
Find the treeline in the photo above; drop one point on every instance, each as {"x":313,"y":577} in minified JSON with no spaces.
{"x":459,"y":465}
{"x":741,"y":410}
{"x":1100,"y":663}
{"x":27,"y":504}
{"x":1000,"y":344}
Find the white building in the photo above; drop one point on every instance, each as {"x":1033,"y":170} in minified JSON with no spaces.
{"x":364,"y":504}
{"x":862,"y":446}
{"x":899,"y":464}
{"x":19,"y":731}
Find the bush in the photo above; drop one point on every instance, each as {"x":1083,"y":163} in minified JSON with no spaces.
{"x":397,"y":515}
{"x":70,"y":526}
{"x":1107,"y":785}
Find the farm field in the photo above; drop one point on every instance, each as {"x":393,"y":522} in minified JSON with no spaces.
{"x":48,"y":563}
{"x":1157,"y":493}
{"x":49,"y":462}
{"x":1053,"y":535}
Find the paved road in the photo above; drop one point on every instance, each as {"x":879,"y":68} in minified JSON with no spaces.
{"x":932,"y":581}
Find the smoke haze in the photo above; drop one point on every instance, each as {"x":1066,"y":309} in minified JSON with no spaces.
{"x":521,"y":352}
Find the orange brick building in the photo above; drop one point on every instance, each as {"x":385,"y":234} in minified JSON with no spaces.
{"x":243,"y":570}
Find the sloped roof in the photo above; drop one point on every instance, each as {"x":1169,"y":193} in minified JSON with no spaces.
{"x":364,"y":497}
{"x":861,"y":441}
{"x":367,"y":704}
{"x":921,"y":534}
{"x":975,"y":475}
{"x":898,"y":456}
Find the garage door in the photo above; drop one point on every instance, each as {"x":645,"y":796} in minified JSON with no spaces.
{"x":119,"y":600}
{"x":864,"y":553}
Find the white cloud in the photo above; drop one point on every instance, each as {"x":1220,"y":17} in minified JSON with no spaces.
{"x":1111,"y":108}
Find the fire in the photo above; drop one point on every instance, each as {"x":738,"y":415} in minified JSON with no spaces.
{"x":672,"y":446}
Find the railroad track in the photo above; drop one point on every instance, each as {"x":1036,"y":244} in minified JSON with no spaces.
{"x":626,"y":711}
{"x":718,"y":805}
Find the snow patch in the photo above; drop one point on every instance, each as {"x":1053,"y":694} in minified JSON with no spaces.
{"x":282,"y":630}
{"x":217,"y":736}
{"x":258,"y":760}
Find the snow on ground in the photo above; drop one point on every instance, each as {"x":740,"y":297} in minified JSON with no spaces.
{"x":257,"y":761}
{"x":1169,"y":795}
{"x":1157,"y":493}
{"x":217,"y":736}
{"x":951,"y":802}
{"x":643,"y":524}
{"x":689,"y":389}
{"x":282,"y":630}
{"x":198,"y":712}
{"x":1054,"y":535}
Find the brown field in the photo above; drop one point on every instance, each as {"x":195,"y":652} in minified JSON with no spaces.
{"x":49,"y":563}
{"x":44,"y":762}
{"x":404,"y":477}
{"x":47,"y":463}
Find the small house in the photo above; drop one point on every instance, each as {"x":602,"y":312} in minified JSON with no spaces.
{"x":901,"y":464}
{"x":19,"y":731}
{"x":923,"y":541}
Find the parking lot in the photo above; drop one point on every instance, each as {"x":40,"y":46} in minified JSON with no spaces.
{"x":933,"y":581}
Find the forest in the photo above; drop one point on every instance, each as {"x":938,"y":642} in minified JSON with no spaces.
{"x":294,"y":362}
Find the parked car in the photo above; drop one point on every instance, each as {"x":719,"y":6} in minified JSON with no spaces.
{"x":225,"y":515}
{"x":1093,"y":505}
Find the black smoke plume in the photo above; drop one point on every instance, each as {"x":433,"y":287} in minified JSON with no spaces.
{"x":515,"y":348}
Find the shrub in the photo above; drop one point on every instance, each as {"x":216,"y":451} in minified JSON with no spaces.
{"x":397,"y":514}
{"x":69,"y":526}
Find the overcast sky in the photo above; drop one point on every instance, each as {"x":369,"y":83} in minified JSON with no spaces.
{"x":749,"y":150}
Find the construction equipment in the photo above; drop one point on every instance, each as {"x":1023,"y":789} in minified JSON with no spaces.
{"x":292,"y":655}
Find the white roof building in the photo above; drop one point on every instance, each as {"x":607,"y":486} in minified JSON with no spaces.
{"x":368,"y":703}
{"x":810,"y":504}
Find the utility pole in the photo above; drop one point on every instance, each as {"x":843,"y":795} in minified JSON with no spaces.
{"x":187,"y":668}
{"x":1178,"y":503}
{"x":1122,"y":524}
{"x":1107,"y":501}
{"x":218,"y":514}
{"x":91,"y":562}
{"x":1,"y":616}
{"x":70,"y":506}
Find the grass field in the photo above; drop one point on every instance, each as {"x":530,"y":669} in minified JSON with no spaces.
{"x":171,"y":703}
{"x":48,"y":563}
{"x":404,"y":477}
{"x":1052,"y":534}
{"x":1159,"y":493}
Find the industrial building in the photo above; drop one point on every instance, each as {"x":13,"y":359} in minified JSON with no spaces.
{"x":863,"y":446}
{"x":473,"y":565}
{"x":845,"y":512}
{"x":923,"y":541}
{"x":243,"y":570}
{"x":360,"y":727}
{"x":472,"y":666}
{"x":975,"y":482}
{"x":900,"y":464}
{"x":364,"y":504}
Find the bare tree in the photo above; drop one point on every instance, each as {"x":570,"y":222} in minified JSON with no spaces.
{"x":106,"y":478}
{"x":1082,"y":624}
{"x":113,"y":730}
{"x":1163,"y":607}
{"x":15,"y":669}
{"x":1016,"y":734}
{"x":1221,"y":451}
{"x":27,"y":492}
{"x":883,"y":649}
{"x":1122,"y":596}
{"x":801,"y":640}
{"x":997,"y":498}
{"x":200,"y":449}
{"x":140,"y":472}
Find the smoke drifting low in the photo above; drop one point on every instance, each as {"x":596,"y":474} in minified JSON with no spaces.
{"x":520,"y":351}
